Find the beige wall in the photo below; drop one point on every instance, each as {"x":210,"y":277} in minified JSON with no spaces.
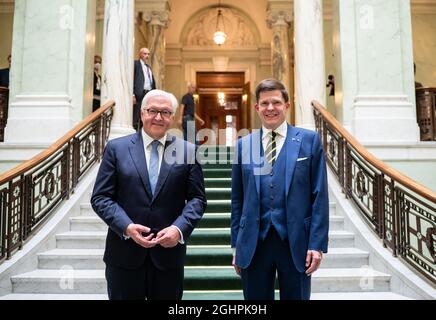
{"x":99,"y":37}
{"x":424,"y":48}
{"x":6,"y":27}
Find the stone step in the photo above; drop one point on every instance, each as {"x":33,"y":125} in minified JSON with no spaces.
{"x":213,"y":206}
{"x":214,"y":295}
{"x":200,"y":236}
{"x":324,"y":280}
{"x":81,"y":239}
{"x":218,"y":193}
{"x":209,"y":220}
{"x":221,"y":236}
{"x":71,"y":258}
{"x":86,"y":210}
{"x":216,"y":206}
{"x":217,"y":163}
{"x":214,"y":255}
{"x":217,"y":173}
{"x":214,"y":220}
{"x":218,"y":182}
{"x":222,"y":256}
{"x":206,"y":236}
{"x":87,"y":223}
{"x":60,"y":281}
{"x":238,"y":295}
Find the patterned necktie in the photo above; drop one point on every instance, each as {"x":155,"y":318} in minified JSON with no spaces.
{"x":154,"y":165}
{"x":271,"y":148}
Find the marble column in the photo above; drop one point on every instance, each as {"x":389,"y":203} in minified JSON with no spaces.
{"x":374,"y":65}
{"x":157,"y":22}
{"x":309,"y":59}
{"x":51,"y":72}
{"x":118,"y":63}
{"x":279,"y":22}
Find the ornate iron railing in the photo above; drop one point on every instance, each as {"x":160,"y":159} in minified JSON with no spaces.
{"x":399,"y":210}
{"x":4,"y":104}
{"x":30,"y":192}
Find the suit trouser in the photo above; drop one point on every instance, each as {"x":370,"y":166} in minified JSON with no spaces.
{"x":146,"y":282}
{"x":273,"y":255}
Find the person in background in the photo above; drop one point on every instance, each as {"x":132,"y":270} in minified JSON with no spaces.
{"x":96,"y":102}
{"x":143,"y":82}
{"x":188,"y":115}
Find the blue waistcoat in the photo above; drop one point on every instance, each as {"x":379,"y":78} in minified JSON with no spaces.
{"x":272,"y":198}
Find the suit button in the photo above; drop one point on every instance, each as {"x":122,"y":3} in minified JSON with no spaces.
{"x":271,"y":185}
{"x":272,"y":197}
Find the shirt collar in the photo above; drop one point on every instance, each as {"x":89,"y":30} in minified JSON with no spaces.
{"x":281,"y":130}
{"x":148,"y":140}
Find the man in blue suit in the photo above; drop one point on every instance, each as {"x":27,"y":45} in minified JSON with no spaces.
{"x":279,"y":220}
{"x":150,"y":192}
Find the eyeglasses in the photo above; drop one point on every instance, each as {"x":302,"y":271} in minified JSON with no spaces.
{"x":163,"y":113}
{"x":275,"y":103}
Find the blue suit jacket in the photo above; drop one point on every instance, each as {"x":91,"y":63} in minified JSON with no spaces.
{"x":307,"y":204}
{"x":122,"y":195}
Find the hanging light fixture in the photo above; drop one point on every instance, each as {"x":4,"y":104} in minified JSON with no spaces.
{"x":219,"y":37}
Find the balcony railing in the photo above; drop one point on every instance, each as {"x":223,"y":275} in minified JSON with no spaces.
{"x":426,"y":113}
{"x":399,"y":210}
{"x":30,"y":192}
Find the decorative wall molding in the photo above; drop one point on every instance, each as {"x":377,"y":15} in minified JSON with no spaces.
{"x":240,"y":30}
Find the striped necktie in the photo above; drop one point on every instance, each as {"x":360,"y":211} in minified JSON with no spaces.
{"x":271,"y":148}
{"x":153,"y":170}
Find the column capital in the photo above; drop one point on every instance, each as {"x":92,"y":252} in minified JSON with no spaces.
{"x":159,"y":18}
{"x":278,"y":18}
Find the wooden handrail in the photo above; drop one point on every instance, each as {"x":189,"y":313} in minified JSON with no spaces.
{"x":20,"y":169}
{"x":380,"y":165}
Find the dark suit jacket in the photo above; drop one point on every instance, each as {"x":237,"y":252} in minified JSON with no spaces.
{"x":307,"y":204}
{"x":122,"y":195}
{"x":4,"y":78}
{"x":138,"y":80}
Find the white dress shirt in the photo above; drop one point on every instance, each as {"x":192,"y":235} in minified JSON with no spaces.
{"x":147,"y":140}
{"x":148,"y":78}
{"x":281,"y":131}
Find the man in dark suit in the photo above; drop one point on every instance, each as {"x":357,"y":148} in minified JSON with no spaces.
{"x":279,"y":219}
{"x":96,"y":101}
{"x":143,"y":82}
{"x":4,"y":74}
{"x":150,"y":192}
